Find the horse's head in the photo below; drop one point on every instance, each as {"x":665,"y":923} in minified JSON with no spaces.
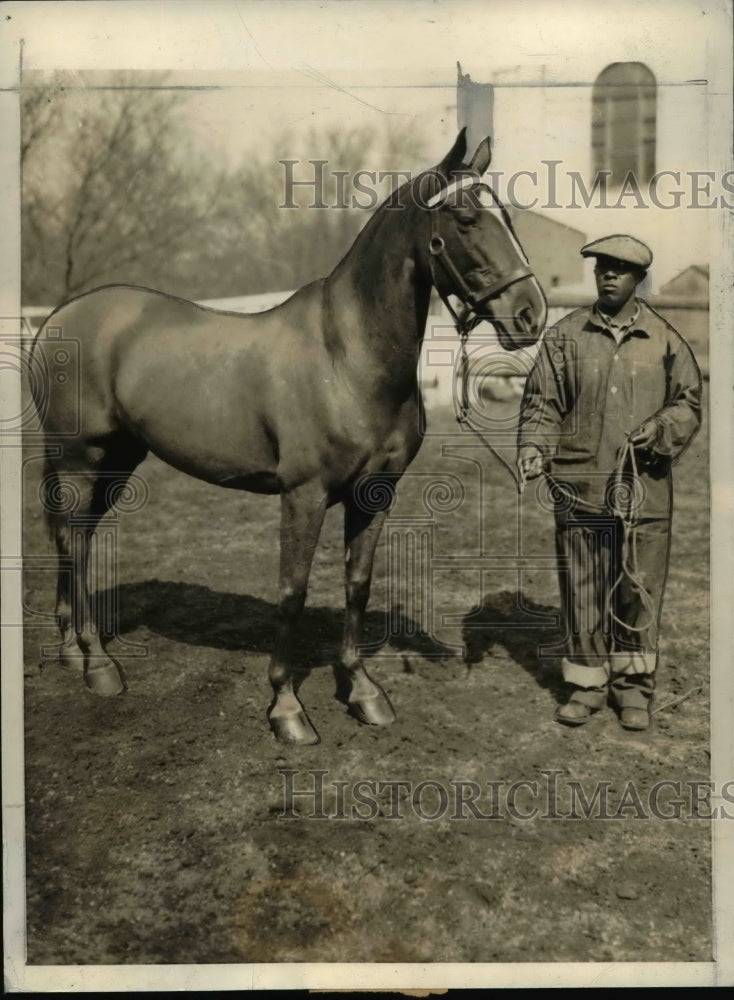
{"x":473,"y":252}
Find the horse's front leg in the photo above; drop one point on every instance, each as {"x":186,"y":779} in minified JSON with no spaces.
{"x":365,"y":699}
{"x":302,"y":515}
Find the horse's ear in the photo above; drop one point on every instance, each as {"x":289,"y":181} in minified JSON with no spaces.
{"x":454,"y":159}
{"x":483,"y":156}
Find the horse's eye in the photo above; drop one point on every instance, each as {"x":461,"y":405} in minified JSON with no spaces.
{"x":467,"y":220}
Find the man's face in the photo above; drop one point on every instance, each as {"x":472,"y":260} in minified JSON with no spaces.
{"x":615,"y":282}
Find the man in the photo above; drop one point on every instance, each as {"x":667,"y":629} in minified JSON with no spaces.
{"x":613,"y":398}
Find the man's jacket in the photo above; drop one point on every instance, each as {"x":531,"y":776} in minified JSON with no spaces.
{"x":586,"y":393}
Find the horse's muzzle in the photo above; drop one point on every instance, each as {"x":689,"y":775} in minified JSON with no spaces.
{"x":518,"y":313}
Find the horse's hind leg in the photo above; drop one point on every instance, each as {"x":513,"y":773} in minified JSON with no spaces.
{"x":365,"y":699}
{"x":302,"y":515}
{"x":77,"y":496}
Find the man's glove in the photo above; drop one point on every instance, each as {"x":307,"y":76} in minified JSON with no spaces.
{"x":646,"y":435}
{"x":530,"y":461}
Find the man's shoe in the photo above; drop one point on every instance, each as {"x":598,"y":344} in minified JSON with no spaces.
{"x":634,"y":718}
{"x":574,"y":713}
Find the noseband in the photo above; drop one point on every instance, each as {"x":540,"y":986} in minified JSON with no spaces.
{"x":439,"y":255}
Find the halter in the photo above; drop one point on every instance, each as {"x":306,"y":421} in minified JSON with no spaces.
{"x":438,"y":254}
{"x":469,"y":318}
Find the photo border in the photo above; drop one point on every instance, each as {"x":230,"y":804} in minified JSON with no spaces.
{"x":440,"y":976}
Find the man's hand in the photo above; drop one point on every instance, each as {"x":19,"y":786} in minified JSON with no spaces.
{"x":646,"y":434}
{"x":530,"y":462}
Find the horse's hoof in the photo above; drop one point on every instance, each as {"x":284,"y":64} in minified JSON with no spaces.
{"x":373,"y":711}
{"x":294,"y":729}
{"x":104,"y":680}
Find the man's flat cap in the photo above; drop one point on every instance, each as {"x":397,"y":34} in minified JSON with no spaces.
{"x":625,"y":248}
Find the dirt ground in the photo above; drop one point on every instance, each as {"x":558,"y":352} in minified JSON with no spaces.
{"x":158,"y":828}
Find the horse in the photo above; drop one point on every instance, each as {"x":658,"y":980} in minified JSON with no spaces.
{"x":316,"y":399}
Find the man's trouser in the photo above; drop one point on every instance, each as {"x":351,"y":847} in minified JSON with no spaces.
{"x":611,"y":596}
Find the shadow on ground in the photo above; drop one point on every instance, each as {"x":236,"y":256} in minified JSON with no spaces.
{"x":196,"y":615}
{"x":529,"y":632}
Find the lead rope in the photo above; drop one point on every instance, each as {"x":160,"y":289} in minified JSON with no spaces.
{"x":629,"y":567}
{"x":623,"y":494}
{"x":463,"y":416}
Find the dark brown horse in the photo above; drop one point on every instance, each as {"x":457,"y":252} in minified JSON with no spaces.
{"x":316,"y":400}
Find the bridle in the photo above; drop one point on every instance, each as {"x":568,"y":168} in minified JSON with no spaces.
{"x":439,"y":255}
{"x":469,"y":317}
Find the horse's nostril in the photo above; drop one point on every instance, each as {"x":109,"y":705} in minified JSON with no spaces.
{"x":525,"y":315}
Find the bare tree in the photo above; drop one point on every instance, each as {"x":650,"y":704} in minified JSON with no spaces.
{"x":269,"y":238}
{"x":113,"y":191}
{"x":111,"y":188}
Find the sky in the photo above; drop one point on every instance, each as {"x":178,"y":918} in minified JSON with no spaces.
{"x":284,"y":61}
{"x":413,"y":41}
